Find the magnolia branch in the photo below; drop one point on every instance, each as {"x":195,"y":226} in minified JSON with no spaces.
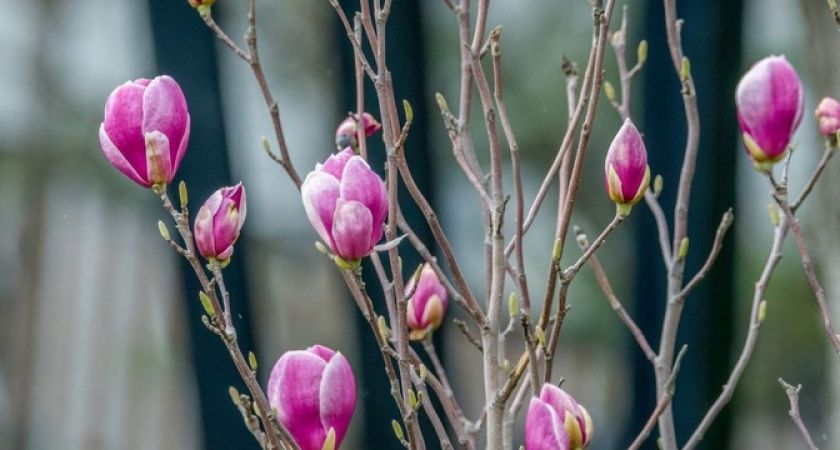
{"x":793,"y":397}
{"x":756,"y":318}
{"x":615,"y":304}
{"x":780,"y":195}
{"x":221,"y":324}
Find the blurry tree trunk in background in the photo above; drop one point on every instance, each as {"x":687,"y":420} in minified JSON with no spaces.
{"x":715,"y":51}
{"x":824,"y":59}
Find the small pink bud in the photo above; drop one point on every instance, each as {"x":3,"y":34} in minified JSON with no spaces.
{"x":146,"y":130}
{"x":219,"y":221}
{"x":314,"y":392}
{"x":347,"y":134}
{"x":428,"y":304}
{"x":828,"y":114}
{"x":626,"y":172}
{"x":770,"y":103}
{"x":203,"y":3}
{"x":347,"y":203}
{"x":556,"y":421}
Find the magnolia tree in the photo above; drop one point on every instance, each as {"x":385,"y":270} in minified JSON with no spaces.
{"x":310,"y":397}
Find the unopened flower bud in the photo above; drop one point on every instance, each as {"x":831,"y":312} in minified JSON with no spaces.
{"x":427,"y":306}
{"x":626,"y":171}
{"x":146,"y":130}
{"x":556,"y":421}
{"x":200,"y":3}
{"x":347,"y":133}
{"x":314,"y":393}
{"x":219,"y":221}
{"x":828,"y":115}
{"x":770,"y":102}
{"x":347,"y":204}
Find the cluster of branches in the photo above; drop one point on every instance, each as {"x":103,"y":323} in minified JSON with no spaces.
{"x":506,"y":387}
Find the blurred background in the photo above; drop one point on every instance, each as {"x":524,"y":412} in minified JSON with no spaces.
{"x":101,"y":346}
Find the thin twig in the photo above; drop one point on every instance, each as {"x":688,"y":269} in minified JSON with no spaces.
{"x":717,"y":245}
{"x":616,"y":305}
{"x":793,"y":397}
{"x":780,"y":195}
{"x":572,"y":270}
{"x":809,"y":186}
{"x":749,"y":343}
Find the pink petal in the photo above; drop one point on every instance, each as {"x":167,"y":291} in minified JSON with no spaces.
{"x":123,"y":119}
{"x":351,"y":230}
{"x":203,"y":231}
{"x":165,"y":110}
{"x":118,"y":160}
{"x":158,"y":164}
{"x":558,"y":399}
{"x":182,"y":147}
{"x":338,"y":396}
{"x":324,"y":353}
{"x":320,"y":193}
{"x":412,"y":317}
{"x":334,"y":165}
{"x":543,"y":428}
{"x":359,"y":183}
{"x":294,"y":390}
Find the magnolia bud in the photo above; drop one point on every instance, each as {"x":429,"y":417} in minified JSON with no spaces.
{"x":314,"y":392}
{"x":347,"y":204}
{"x":219,"y":221}
{"x":626,"y":171}
{"x":828,"y":115}
{"x":347,"y":133}
{"x":146,"y":130}
{"x":770,"y":103}
{"x":427,"y":306}
{"x":556,"y":421}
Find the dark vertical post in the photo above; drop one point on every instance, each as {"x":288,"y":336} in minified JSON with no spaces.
{"x":185,"y":49}
{"x":406,"y":60}
{"x":712,"y":42}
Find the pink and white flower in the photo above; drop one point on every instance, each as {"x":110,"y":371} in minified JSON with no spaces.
{"x":427,"y":305}
{"x":314,"y":393}
{"x":770,"y":103}
{"x":626,"y":171}
{"x":219,"y":222}
{"x":556,"y":421}
{"x":146,"y":130}
{"x":347,"y":204}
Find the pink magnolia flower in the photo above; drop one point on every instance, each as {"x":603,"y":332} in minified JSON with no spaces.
{"x":626,"y":171}
{"x":347,"y":135}
{"x":146,"y":129}
{"x":428,"y":304}
{"x":346,"y":203}
{"x":770,"y":103}
{"x":314,"y":393}
{"x":219,"y":221}
{"x":556,"y":421}
{"x":828,"y":115}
